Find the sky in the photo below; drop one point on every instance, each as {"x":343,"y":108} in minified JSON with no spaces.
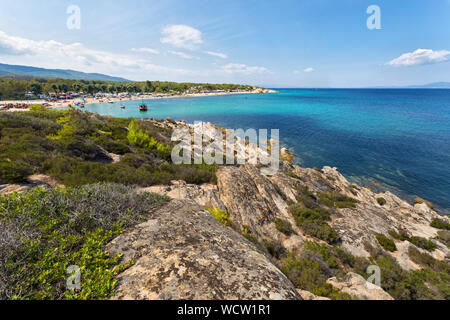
{"x":297,"y":43}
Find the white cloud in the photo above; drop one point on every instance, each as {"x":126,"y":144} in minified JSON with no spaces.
{"x":217,"y":54}
{"x":182,"y":36}
{"x":421,"y":56}
{"x":307,"y":70}
{"x":145,"y":50}
{"x":243,"y":69}
{"x":54,"y":54}
{"x":182,"y":55}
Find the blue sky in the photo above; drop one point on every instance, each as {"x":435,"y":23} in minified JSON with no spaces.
{"x":320,"y":43}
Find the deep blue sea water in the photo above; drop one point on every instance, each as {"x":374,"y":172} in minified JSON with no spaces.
{"x":395,"y":139}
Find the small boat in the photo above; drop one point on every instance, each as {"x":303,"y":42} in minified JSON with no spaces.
{"x":82,"y":105}
{"x":143,"y":107}
{"x":122,"y":106}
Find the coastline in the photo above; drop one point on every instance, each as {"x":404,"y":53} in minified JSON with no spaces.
{"x":87,"y":101}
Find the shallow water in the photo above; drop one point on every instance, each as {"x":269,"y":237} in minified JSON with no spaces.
{"x":395,"y":139}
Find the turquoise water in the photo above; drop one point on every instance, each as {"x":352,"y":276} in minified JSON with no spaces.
{"x":395,"y":139}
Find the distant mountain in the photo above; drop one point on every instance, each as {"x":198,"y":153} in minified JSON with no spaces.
{"x":7,"y":70}
{"x":434,"y":85}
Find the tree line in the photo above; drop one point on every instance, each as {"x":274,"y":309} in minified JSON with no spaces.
{"x":17,"y":89}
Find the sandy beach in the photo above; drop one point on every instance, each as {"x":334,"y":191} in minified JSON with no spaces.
{"x":59,"y":104}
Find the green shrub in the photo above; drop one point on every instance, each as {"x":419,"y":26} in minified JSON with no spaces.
{"x":402,"y":236}
{"x":386,"y":243}
{"x":251,"y":238}
{"x":334,"y":199}
{"x":293,"y":175}
{"x":312,"y":218}
{"x":304,"y":274}
{"x":280,"y":192}
{"x":42,"y":232}
{"x":413,"y":285}
{"x":328,"y":254}
{"x":221,"y":215}
{"x":417,"y":241}
{"x":321,"y":230}
{"x":381,"y":201}
{"x":316,"y":264}
{"x":137,"y":137}
{"x":440,"y":224}
{"x":419,"y":200}
{"x":283,"y":226}
{"x":116,"y":147}
{"x":444,"y":237}
{"x":275,"y":249}
{"x":428,"y":261}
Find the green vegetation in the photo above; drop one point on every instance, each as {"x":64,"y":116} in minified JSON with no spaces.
{"x":336,"y":200}
{"x":431,"y":282}
{"x":250,"y":237}
{"x":70,"y":146}
{"x":417,"y":241}
{"x":16,"y":89}
{"x":440,"y":224}
{"x":444,"y":237}
{"x":293,"y":175}
{"x":43,"y":232}
{"x":316,"y":264}
{"x":423,"y":243}
{"x":381,"y":201}
{"x":419,"y":200}
{"x":386,"y":243}
{"x":283,"y":226}
{"x":275,"y":249}
{"x":221,"y":215}
{"x":402,"y":236}
{"x":312,"y":218}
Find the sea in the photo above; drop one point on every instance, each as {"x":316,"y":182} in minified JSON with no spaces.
{"x":388,"y":139}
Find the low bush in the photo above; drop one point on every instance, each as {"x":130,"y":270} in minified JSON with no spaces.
{"x":43,"y":232}
{"x":419,"y":200}
{"x":402,"y":236}
{"x":423,"y":243}
{"x":274,"y":248}
{"x":221,"y":215}
{"x":386,"y":243}
{"x":422,"y":284}
{"x":381,"y":201}
{"x":312,"y":218}
{"x":327,"y":290}
{"x":70,"y":146}
{"x":440,"y":224}
{"x":283,"y":226}
{"x":444,"y":237}
{"x":417,"y":241}
{"x":13,"y":172}
{"x":280,"y":192}
{"x":310,"y":271}
{"x":293,"y":175}
{"x":428,"y":261}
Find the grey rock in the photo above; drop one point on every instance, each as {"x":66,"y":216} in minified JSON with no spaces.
{"x":184,"y":253}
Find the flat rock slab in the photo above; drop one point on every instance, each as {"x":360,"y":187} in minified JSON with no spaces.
{"x":185,"y":253}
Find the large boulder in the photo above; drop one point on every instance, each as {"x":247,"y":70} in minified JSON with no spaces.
{"x":183,"y":252}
